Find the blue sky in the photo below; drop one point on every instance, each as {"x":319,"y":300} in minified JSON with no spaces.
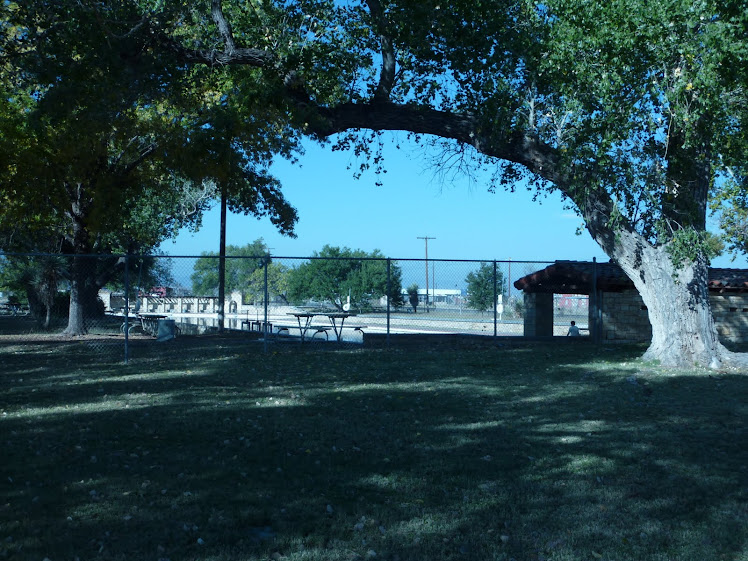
{"x":466,"y":220}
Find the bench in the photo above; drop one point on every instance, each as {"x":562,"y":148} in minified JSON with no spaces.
{"x":252,"y":323}
{"x":317,"y":329}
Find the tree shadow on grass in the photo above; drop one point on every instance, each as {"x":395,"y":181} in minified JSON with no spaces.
{"x":435,"y":455}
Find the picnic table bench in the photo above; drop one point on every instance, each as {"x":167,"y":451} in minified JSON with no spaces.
{"x":317,"y":329}
{"x":304,"y":330}
{"x":258,"y":323}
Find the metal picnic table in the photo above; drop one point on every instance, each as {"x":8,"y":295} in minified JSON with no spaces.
{"x":333,"y":317}
{"x":149,"y":322}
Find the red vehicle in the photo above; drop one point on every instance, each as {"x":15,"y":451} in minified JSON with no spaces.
{"x":160,"y":291}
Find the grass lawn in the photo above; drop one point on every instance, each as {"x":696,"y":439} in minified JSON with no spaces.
{"x":202,"y":449}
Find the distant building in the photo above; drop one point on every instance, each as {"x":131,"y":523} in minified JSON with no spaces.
{"x":450,"y":296}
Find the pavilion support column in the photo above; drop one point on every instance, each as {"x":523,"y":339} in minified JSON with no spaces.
{"x":538,"y":314}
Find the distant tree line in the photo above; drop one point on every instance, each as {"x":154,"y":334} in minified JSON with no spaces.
{"x":340,"y":277}
{"x":333,"y":276}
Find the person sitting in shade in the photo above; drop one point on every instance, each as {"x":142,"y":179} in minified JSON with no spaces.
{"x":573,"y":330}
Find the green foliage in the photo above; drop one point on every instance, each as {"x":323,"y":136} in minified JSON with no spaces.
{"x":37,"y":279}
{"x":642,"y":101}
{"x":109,"y":147}
{"x":244,"y":270}
{"x":688,"y":245}
{"x":483,"y":287}
{"x":334,"y":274}
{"x":655,"y":105}
{"x":125,"y":143}
{"x":730,"y":206}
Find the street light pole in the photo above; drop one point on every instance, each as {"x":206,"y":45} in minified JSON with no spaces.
{"x":426,"y":239}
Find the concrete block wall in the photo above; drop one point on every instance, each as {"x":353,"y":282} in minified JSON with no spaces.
{"x":625,"y":318}
{"x":730,"y":313}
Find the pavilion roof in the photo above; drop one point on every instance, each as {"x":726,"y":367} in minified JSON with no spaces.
{"x":576,"y":277}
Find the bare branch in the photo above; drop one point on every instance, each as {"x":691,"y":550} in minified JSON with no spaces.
{"x":195,"y":197}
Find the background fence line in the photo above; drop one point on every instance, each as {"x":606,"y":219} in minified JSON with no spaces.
{"x":131,"y":299}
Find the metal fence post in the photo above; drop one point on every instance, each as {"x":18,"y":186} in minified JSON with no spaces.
{"x":265,"y":322}
{"x":127,"y":307}
{"x":495,"y":304}
{"x":389,"y":294}
{"x":509,"y":283}
{"x":595,"y":327}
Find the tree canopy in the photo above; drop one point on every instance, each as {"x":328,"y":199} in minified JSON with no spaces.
{"x":110,"y":148}
{"x":483,"y":287}
{"x":244,"y":273}
{"x":634,"y":111}
{"x":334,"y":274}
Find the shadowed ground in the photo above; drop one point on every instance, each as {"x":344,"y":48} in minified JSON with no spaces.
{"x":526,"y":453}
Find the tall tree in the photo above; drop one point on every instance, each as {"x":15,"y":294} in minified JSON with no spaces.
{"x":632,"y":110}
{"x":117,"y":141}
{"x":38,"y":278}
{"x":277,"y":283}
{"x":241,"y":264}
{"x":484,"y":287}
{"x":336,"y":274}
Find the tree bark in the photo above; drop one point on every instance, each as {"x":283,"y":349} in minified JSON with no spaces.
{"x":676,"y":296}
{"x":76,"y":322}
{"x":677,"y":301}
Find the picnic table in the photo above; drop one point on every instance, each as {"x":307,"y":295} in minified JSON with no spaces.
{"x":149,"y":322}
{"x":336,"y":319}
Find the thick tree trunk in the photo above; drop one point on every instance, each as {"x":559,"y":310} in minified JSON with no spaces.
{"x":79,"y":204}
{"x":677,"y":300}
{"x":76,"y":323}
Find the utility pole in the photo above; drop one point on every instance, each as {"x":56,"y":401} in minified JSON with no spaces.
{"x":426,"y":239}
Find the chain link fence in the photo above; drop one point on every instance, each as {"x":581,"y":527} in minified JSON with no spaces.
{"x":122,"y":305}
